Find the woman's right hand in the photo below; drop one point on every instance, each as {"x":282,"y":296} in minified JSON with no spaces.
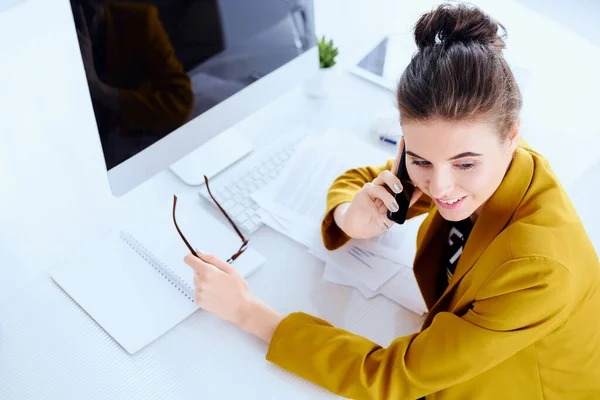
{"x":366,"y":216}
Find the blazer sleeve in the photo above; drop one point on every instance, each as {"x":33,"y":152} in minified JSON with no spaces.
{"x":522,"y":301}
{"x":343,"y":190}
{"x":164,"y":100}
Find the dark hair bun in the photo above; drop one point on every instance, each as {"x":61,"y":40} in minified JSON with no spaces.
{"x":448,"y":24}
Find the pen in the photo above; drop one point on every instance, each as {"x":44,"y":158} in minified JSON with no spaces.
{"x":387,"y":140}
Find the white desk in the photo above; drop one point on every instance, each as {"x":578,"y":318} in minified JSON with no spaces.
{"x":55,"y":195}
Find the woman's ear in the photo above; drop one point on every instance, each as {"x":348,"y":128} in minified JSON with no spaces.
{"x":515,"y":135}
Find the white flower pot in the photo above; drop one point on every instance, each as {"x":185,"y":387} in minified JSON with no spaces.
{"x":319,"y":85}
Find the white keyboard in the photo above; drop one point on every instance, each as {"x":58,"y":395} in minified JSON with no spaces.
{"x":233,"y":187}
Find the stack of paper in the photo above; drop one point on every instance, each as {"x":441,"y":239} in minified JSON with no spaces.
{"x":378,"y":266}
{"x":294,"y":203}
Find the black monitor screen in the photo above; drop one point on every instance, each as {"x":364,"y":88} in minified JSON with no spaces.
{"x":152,"y":66}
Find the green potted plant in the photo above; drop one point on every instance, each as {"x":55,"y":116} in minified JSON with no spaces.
{"x":327,"y":53}
{"x":317,"y":86}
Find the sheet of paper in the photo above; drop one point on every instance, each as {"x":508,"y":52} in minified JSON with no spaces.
{"x":281,"y":223}
{"x":334,"y":274}
{"x":401,"y":287}
{"x":362,"y":265}
{"x":404,"y":290}
{"x":399,"y":244}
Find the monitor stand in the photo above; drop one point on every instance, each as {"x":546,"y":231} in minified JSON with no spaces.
{"x":212,"y":157}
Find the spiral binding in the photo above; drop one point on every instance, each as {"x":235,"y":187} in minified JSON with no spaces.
{"x":159,"y":266}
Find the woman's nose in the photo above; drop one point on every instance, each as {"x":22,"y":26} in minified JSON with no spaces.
{"x":441,"y":183}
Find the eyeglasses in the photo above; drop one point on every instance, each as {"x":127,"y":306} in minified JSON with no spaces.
{"x":237,"y":230}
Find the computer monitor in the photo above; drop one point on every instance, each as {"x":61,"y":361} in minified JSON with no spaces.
{"x":168,"y":76}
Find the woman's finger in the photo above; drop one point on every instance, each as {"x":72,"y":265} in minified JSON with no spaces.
{"x":197,"y":281}
{"x":199,"y":266}
{"x":387,"y":178}
{"x":384,"y":224}
{"x":379,"y":192}
{"x":381,"y":208}
{"x":217,"y":262}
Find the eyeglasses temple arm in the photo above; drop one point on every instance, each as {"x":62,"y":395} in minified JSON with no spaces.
{"x":244,"y":240}
{"x":179,"y":231}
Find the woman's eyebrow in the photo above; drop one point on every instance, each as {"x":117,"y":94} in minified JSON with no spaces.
{"x":461,"y":155}
{"x":465,"y":154}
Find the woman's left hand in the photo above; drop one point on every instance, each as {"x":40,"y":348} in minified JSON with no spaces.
{"x":219,"y":288}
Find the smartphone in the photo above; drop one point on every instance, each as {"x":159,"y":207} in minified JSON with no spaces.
{"x":402,"y":198}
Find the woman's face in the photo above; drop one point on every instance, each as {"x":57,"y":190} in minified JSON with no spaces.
{"x":458,"y":164}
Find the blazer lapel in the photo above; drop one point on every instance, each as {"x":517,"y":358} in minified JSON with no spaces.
{"x":494,"y":217}
{"x":428,"y":255}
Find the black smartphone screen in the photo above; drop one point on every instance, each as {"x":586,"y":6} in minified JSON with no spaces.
{"x":402,"y":198}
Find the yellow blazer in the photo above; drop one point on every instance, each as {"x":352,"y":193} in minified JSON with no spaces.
{"x":519,"y":320}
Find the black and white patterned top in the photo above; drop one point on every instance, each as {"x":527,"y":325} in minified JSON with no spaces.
{"x":457,"y":237}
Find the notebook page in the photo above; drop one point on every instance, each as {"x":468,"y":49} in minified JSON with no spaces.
{"x":130,"y":300}
{"x":158,"y":234}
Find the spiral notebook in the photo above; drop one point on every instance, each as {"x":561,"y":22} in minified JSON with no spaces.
{"x":134,"y":282}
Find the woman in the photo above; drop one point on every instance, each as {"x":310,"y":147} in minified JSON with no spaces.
{"x":510,"y":278}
